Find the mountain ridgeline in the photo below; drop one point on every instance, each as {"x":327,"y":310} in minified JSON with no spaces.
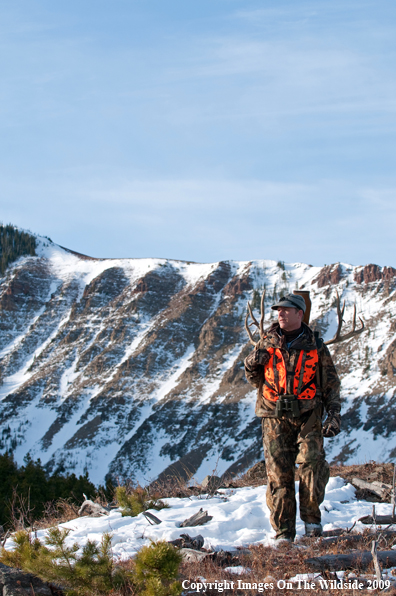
{"x":133,"y":368}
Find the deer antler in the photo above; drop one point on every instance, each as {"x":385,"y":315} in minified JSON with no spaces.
{"x":340,"y":312}
{"x":260,"y":325}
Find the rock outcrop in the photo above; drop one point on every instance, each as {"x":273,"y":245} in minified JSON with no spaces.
{"x":14,"y":582}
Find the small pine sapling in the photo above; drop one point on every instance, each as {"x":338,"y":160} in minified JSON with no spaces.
{"x":156,"y":570}
{"x":136,"y":500}
{"x":90,"y":574}
{"x":26,"y":549}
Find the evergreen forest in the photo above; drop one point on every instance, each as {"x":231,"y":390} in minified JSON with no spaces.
{"x":14,"y":244}
{"x":30,"y":487}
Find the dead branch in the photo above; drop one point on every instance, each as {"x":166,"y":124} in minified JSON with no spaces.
{"x":393,"y":490}
{"x":198,"y":519}
{"x":374,"y":554}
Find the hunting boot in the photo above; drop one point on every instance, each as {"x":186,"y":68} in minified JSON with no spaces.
{"x":312,"y":530}
{"x":282,"y":541}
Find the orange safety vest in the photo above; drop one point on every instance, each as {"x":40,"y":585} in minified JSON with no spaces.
{"x":275,"y":375}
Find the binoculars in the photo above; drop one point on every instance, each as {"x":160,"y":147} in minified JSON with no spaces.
{"x":287,"y":404}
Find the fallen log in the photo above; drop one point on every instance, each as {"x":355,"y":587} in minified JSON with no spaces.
{"x":378,"y":520}
{"x":335,"y":532}
{"x":350,"y":538}
{"x":356,"y":538}
{"x":358,"y":559}
{"x":377,"y":488}
{"x":198,"y":519}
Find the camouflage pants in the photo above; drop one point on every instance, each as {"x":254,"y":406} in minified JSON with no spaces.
{"x":283,"y":448}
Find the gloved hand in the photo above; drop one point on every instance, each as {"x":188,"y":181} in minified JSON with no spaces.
{"x":257,"y":358}
{"x":332,"y":424}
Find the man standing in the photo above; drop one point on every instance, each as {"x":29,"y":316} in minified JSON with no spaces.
{"x":296,"y":380}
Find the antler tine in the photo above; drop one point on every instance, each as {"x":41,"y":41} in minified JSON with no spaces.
{"x":354,"y":332}
{"x":340,"y":313}
{"x":354,"y":318}
{"x":338,"y":337}
{"x":251,"y":338}
{"x":262,"y":312}
{"x":255,"y":321}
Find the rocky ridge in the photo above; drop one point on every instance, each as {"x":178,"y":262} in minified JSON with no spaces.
{"x":130,"y":367}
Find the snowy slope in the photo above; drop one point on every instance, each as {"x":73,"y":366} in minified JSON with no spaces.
{"x":240,"y":518}
{"x":128,"y":366}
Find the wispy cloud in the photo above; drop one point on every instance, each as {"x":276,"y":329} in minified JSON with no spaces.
{"x":228,"y":135}
{"x":209,"y":220}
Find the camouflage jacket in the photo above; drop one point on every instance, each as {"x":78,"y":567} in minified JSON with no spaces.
{"x":327,"y":395}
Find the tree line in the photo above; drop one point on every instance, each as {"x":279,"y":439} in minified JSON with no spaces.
{"x":14,"y":244}
{"x":31,"y":485}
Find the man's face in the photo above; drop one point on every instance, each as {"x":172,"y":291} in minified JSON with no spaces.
{"x":289,"y":318}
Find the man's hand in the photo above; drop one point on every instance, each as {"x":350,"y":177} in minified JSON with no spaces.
{"x":257,"y":358}
{"x":332,"y":424}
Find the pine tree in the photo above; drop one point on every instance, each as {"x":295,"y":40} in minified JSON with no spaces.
{"x":156,"y":568}
{"x":92,"y":573}
{"x":136,"y":500}
{"x":14,"y":244}
{"x":30,"y":487}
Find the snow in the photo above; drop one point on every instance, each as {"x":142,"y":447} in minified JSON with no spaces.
{"x":212,"y":385}
{"x":17,"y":340}
{"x":178,"y":369}
{"x":240,"y":518}
{"x":31,"y":422}
{"x":36,"y":414}
{"x":194,"y":272}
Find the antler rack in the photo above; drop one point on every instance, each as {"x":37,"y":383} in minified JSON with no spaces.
{"x":260,"y":325}
{"x":340,"y":312}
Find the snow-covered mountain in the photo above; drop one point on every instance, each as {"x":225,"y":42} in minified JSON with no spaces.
{"x":129,"y":366}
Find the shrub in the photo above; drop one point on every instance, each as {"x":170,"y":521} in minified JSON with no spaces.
{"x":156,"y":569}
{"x":133,"y":501}
{"x":91,"y":573}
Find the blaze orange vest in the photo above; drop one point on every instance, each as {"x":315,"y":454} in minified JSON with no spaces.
{"x":275,"y":375}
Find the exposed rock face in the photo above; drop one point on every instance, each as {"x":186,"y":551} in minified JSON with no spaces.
{"x":328,"y":275}
{"x":135,"y":367}
{"x":370,"y":273}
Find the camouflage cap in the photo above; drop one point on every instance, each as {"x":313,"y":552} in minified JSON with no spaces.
{"x":290,"y":301}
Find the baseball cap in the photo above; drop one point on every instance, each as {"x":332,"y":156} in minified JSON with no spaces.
{"x":290,"y":301}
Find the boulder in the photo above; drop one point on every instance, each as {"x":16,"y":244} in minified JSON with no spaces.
{"x":14,"y":582}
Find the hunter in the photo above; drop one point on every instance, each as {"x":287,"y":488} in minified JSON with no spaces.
{"x":296,"y":380}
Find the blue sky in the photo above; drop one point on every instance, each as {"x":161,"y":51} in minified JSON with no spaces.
{"x":201,"y":130}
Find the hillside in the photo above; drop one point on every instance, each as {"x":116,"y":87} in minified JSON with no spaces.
{"x":128,"y":366}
